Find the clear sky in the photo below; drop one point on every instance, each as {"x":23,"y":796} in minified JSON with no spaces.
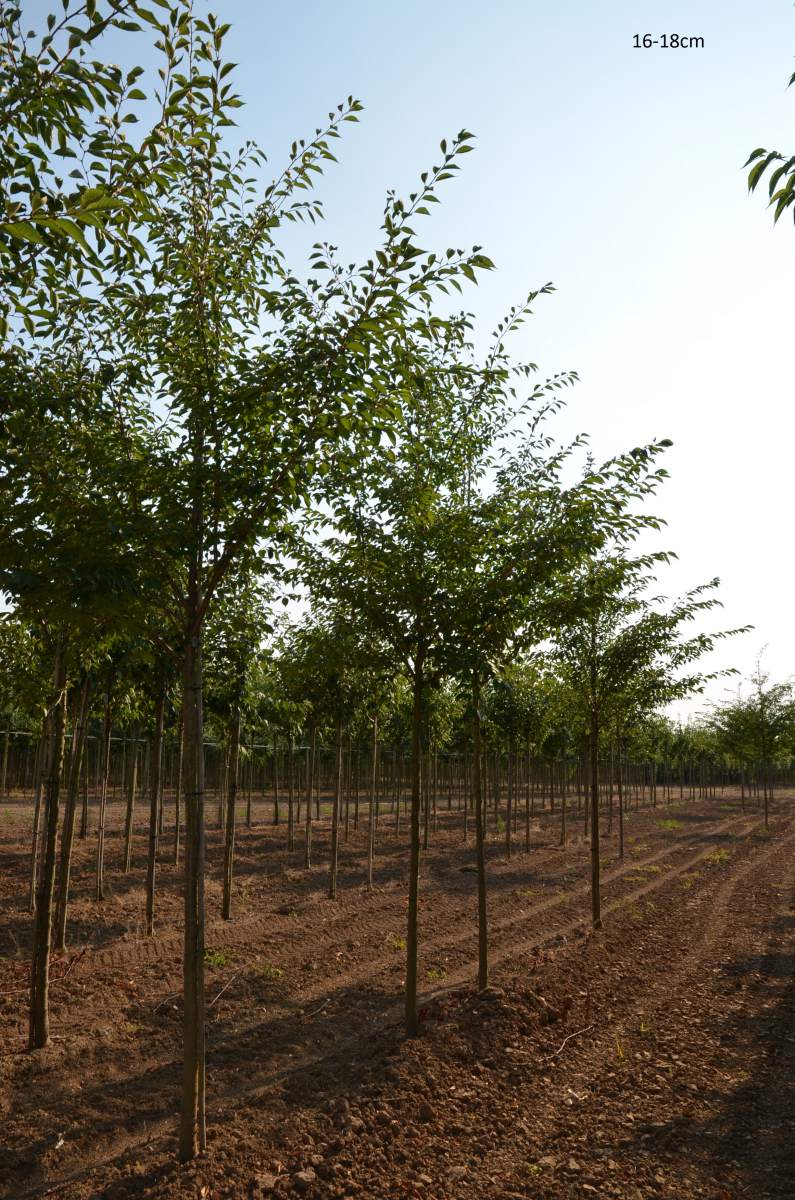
{"x":617,"y":174}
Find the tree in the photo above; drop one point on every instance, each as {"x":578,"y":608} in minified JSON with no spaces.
{"x":759,"y":728}
{"x":621,"y":655}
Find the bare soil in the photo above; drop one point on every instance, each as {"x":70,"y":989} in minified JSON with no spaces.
{"x":653,"y":1059}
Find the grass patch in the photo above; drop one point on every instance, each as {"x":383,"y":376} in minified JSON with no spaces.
{"x":269,"y":971}
{"x":395,"y":943}
{"x":434,"y":973}
{"x":670,"y":823}
{"x":217,"y":958}
{"x":719,"y":856}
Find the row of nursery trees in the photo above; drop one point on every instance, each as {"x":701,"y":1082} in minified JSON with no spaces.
{"x":296,"y":738}
{"x":193,"y":430}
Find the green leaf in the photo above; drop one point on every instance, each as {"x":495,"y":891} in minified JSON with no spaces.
{"x":23,"y":230}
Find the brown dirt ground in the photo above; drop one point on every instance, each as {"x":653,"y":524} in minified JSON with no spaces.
{"x":654,"y":1059}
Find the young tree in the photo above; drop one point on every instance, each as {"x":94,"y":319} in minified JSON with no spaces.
{"x":622,"y":655}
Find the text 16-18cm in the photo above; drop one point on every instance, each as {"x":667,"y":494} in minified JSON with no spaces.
{"x":667,"y":41}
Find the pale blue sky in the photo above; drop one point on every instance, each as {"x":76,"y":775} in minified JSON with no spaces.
{"x":615,"y":173}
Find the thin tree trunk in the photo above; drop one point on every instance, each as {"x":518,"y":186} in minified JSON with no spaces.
{"x":132,"y":783}
{"x":509,"y":801}
{"x":192,"y":1132}
{"x":563,"y":791}
{"x":178,"y":784}
{"x":620,"y":804}
{"x":68,"y":835}
{"x":371,"y":809}
{"x":39,"y":768}
{"x":39,"y":1029}
{"x":231,"y":801}
{"x":480,"y":840}
{"x":290,"y":797}
{"x":155,"y":769}
{"x":335,"y":815}
{"x":412,"y":930}
{"x":103,"y":797}
{"x":309,"y":781}
{"x":596,"y":902}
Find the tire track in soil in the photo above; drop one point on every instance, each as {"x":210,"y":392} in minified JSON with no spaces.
{"x":692,"y":963}
{"x":226,"y":1098}
{"x":165,"y":949}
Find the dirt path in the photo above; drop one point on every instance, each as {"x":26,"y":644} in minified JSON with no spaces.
{"x":308,"y":1012}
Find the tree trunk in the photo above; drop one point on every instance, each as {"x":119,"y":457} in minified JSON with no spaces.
{"x":155,"y":769}
{"x":103,"y":797}
{"x":192,"y":1132}
{"x":231,"y":801}
{"x":596,"y":903}
{"x":178,"y":784}
{"x":290,"y":798}
{"x":310,"y":778}
{"x":509,"y":800}
{"x":68,"y":835}
{"x":412,"y":930}
{"x":39,"y":768}
{"x":39,"y":1029}
{"x":132,"y":783}
{"x":480,"y":839}
{"x":371,"y":810}
{"x":563,"y":791}
{"x":84,"y":792}
{"x":620,"y":804}
{"x":335,"y":815}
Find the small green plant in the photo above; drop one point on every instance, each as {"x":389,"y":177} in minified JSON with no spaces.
{"x":435,"y":973}
{"x":395,"y":943}
{"x":217,"y":958}
{"x":645,"y":1027}
{"x":269,"y":971}
{"x":500,"y":825}
{"x":619,"y":1050}
{"x":531,"y":1169}
{"x":719,"y":856}
{"x":670,"y":823}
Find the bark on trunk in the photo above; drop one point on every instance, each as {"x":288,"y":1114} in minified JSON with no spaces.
{"x":335,"y":816}
{"x":371,"y":810}
{"x":68,"y":835}
{"x":412,"y":930}
{"x":480,"y":840}
{"x":132,"y":784}
{"x":39,"y":768}
{"x":596,"y":903}
{"x":310,"y":776}
{"x":192,"y":1132}
{"x":103,"y":797}
{"x":39,"y":1028}
{"x":231,"y":801}
{"x":178,"y":784}
{"x":155,"y":768}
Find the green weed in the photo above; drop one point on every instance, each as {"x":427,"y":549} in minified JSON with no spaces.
{"x":267,"y":970}
{"x":217,"y":958}
{"x":395,"y":943}
{"x":670,"y":823}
